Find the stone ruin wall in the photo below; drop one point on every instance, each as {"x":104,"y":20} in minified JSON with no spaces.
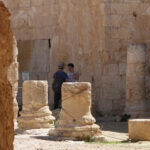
{"x":6,"y":99}
{"x":93,"y":34}
{"x":74,"y":27}
{"x":126,"y":21}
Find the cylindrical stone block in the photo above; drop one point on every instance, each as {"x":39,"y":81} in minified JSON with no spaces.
{"x":139,"y":129}
{"x":76,"y":120}
{"x":36,"y":113}
{"x":135,"y":79}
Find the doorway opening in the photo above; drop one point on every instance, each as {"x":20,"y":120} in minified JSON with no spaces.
{"x":34,"y":62}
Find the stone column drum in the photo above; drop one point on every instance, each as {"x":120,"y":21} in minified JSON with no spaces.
{"x":13,"y":78}
{"x":135,"y":80}
{"x":36,"y":113}
{"x":76,"y":121}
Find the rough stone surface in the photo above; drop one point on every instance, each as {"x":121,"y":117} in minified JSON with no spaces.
{"x":6,"y":99}
{"x":139,"y":129}
{"x":135,"y":80}
{"x":93,"y":34}
{"x":76,"y":120}
{"x":75,"y":29}
{"x":13,"y":78}
{"x":36,"y":113}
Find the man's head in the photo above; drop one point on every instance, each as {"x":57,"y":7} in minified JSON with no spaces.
{"x":70,"y":67}
{"x":61,"y":65}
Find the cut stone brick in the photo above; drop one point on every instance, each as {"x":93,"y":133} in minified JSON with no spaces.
{"x":139,"y":129}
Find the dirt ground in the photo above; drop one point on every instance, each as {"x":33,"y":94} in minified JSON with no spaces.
{"x":116,"y":135}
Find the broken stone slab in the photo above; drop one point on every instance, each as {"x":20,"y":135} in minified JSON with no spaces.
{"x":139,"y":129}
{"x":76,"y":121}
{"x":36,"y":113}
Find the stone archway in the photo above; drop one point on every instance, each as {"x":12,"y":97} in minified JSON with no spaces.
{"x":6,"y":99}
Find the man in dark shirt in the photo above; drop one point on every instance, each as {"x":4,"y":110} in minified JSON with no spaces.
{"x":59,"y":77}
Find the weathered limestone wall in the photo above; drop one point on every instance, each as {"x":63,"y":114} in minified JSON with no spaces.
{"x":93,"y":34}
{"x":126,"y":21}
{"x":13,"y":78}
{"x":135,"y":80}
{"x":6,"y":99}
{"x":74,"y":27}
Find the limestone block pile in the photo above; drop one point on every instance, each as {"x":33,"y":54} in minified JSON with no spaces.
{"x":12,"y":76}
{"x":36,"y":113}
{"x":76,"y":121}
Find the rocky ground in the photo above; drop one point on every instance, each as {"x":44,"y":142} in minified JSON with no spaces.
{"x":115,"y":134}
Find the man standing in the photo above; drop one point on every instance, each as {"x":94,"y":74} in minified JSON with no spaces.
{"x":59,"y":77}
{"x":73,"y":76}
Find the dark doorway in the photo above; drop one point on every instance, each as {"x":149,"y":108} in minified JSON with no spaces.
{"x":34,"y":63}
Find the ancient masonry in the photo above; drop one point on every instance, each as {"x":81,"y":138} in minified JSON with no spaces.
{"x":36,"y":113}
{"x":6,"y":99}
{"x":139,"y":129}
{"x":76,"y":121}
{"x":13,"y":78}
{"x":93,"y":34}
{"x":135,"y":81}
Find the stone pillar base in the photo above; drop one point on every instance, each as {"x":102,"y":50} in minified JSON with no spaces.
{"x":76,"y":121}
{"x":41,"y":118}
{"x":76,"y":132}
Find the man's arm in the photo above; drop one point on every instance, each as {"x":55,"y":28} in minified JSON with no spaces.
{"x":76,"y":76}
{"x":66,"y":77}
